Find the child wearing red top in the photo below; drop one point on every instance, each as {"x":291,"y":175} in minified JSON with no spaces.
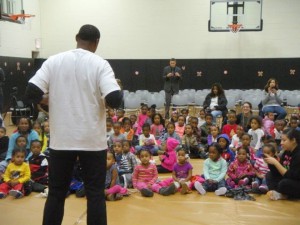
{"x":230,"y":128}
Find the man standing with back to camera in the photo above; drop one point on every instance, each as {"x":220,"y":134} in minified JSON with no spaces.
{"x":77,"y":84}
{"x":2,"y":79}
{"x":172,"y":76}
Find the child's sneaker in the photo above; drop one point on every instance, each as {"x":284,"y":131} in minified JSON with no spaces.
{"x":2,"y":195}
{"x":254,"y":185}
{"x":184,"y":188}
{"x":263,"y":189}
{"x":221,"y":191}
{"x":198,"y":186}
{"x":110,"y":197}
{"x":16,"y":193}
{"x":165,"y":191}
{"x":243,"y":182}
{"x":118,"y":197}
{"x":146,"y":192}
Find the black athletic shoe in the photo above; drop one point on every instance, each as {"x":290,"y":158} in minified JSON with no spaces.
{"x":146,"y":192}
{"x":165,"y":191}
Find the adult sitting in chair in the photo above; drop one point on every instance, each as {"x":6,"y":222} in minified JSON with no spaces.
{"x":273,"y":99}
{"x":215,"y":102}
{"x":243,"y":118}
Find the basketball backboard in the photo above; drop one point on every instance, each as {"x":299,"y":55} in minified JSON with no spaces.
{"x":246,"y":14}
{"x":9,"y":8}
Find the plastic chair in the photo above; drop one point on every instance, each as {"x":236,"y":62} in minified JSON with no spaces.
{"x":179,"y":101}
{"x":132,"y":103}
{"x":18,"y":109}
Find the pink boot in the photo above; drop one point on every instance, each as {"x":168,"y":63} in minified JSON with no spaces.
{"x":117,"y":189}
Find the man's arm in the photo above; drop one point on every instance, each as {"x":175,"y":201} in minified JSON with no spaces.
{"x":166,"y":73}
{"x":34,"y":93}
{"x":114,"y":99}
{"x":178,"y":73}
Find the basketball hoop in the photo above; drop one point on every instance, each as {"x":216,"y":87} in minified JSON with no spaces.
{"x":16,"y":18}
{"x":234,"y":28}
{"x":20,"y":16}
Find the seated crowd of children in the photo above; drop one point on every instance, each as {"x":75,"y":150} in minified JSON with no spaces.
{"x":233,"y":156}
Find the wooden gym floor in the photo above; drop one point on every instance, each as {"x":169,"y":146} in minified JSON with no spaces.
{"x":191,"y":209}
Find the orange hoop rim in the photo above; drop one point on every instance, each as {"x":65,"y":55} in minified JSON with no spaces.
{"x":235,"y":27}
{"x":21,"y":16}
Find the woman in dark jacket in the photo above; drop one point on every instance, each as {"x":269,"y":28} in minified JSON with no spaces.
{"x":283,"y":179}
{"x":216,"y":102}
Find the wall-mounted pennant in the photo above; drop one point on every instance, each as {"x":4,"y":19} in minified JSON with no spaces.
{"x":260,"y":73}
{"x":199,"y":74}
{"x":292,"y":72}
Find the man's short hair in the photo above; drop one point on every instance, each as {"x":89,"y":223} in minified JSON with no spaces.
{"x":173,"y":59}
{"x":88,"y":33}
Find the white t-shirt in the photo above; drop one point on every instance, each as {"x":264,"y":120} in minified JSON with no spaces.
{"x":213,"y":102}
{"x":77,"y":82}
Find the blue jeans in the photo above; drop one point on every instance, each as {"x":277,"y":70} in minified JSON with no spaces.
{"x":214,"y":186}
{"x":261,"y":181}
{"x":216,"y":113}
{"x":259,"y":153}
{"x":280,"y":111}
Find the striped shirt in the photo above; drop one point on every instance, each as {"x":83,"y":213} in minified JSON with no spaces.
{"x":144,"y":174}
{"x":261,"y":166}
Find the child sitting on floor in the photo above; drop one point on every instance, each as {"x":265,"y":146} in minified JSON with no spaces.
{"x":147,"y":140}
{"x":127,"y":165}
{"x":16,"y":174}
{"x":236,"y":140}
{"x":157,"y":126}
{"x":240,"y":171}
{"x":145,"y":177}
{"x":227,"y":154}
{"x":182,"y":172}
{"x":168,"y":158}
{"x":117,"y":135}
{"x":179,"y":126}
{"x":189,"y":142}
{"x":38,"y":164}
{"x":113,"y":191}
{"x":215,"y":168}
{"x":256,"y":134}
{"x":261,"y":169}
{"x":231,"y":126}
{"x":3,"y":143}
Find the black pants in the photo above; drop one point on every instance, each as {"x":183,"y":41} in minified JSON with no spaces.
{"x":168,"y":99}
{"x":61,"y":165}
{"x":285,"y":186}
{"x":161,"y":169}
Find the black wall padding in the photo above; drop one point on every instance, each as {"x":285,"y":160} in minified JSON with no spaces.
{"x":18,"y":71}
{"x":241,"y":73}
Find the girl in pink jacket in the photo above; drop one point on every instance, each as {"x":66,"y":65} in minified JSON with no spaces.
{"x":168,"y":158}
